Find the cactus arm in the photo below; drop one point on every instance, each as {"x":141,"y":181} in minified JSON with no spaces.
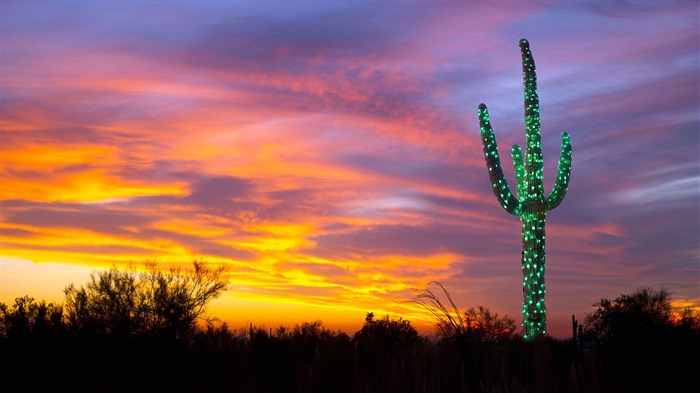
{"x":563,"y":174}
{"x":533,"y":150}
{"x":499,"y":184}
{"x":532,"y":101}
{"x":517,"y":155}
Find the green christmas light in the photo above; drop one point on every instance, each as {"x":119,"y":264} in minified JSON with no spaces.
{"x":530,"y":205}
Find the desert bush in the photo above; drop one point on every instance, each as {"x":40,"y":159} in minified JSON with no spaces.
{"x":474,"y":325}
{"x":641,"y":315}
{"x":28,"y":317}
{"x":385,"y":337}
{"x":154,"y":303}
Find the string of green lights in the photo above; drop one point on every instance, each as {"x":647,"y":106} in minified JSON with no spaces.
{"x":530,"y":205}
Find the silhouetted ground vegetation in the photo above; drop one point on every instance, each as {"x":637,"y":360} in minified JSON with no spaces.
{"x":634,"y":343}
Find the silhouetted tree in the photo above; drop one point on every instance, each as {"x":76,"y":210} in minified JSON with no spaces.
{"x":484,"y":326}
{"x":333,"y":354}
{"x":640,"y":313}
{"x":156,"y":302}
{"x":476,"y":324}
{"x":386,"y":348}
{"x":178,"y":298}
{"x":638,"y":337}
{"x":385,"y":336}
{"x":309,"y":335}
{"x":30,"y":318}
{"x":473,"y":337}
{"x":688,"y":319}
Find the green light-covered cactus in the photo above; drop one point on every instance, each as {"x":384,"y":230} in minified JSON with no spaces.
{"x":531,"y":204}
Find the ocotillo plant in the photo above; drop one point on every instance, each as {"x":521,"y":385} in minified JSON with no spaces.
{"x":530,"y":205}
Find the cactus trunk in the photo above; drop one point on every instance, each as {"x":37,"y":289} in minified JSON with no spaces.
{"x":530,"y":205}
{"x":532,"y":263}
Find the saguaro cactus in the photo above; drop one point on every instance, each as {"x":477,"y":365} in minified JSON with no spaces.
{"x":530,"y":205}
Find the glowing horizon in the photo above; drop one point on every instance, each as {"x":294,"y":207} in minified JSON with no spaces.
{"x":336,"y":166}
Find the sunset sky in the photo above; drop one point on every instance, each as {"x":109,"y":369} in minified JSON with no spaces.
{"x":329,"y":153}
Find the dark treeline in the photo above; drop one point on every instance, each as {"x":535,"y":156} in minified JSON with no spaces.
{"x":129,"y":332}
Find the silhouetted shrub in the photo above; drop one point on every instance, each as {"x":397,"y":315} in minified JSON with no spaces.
{"x":386,"y":349}
{"x":639,"y":341}
{"x":385,"y":337}
{"x":30,"y":318}
{"x":477,"y":325}
{"x":385,"y":355}
{"x":155,"y":303}
{"x":641,"y":314}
